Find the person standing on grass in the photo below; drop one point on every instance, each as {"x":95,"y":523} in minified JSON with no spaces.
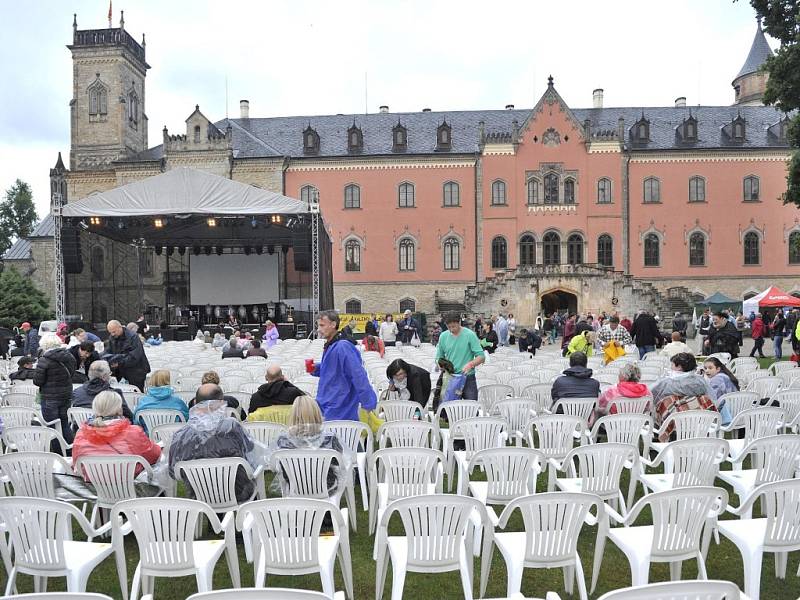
{"x":462,"y":348}
{"x":778,"y":333}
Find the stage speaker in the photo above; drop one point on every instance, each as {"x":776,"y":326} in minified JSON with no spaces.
{"x":301,"y":245}
{"x":71,"y":250}
{"x":286,"y":331}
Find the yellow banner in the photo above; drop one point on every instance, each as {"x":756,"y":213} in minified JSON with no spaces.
{"x":361,"y":320}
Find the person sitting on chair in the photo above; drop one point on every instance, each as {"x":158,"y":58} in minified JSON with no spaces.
{"x":231,"y":401}
{"x":160,"y":395}
{"x":277,"y":391}
{"x":233,"y":351}
{"x":99,"y":381}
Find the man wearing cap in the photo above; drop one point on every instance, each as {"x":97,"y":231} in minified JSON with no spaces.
{"x":31,"y":346}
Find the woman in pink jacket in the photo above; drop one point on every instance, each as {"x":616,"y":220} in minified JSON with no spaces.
{"x":270,"y":335}
{"x":628,"y":387}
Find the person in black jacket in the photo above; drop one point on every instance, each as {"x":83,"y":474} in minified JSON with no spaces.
{"x":412,"y":382}
{"x":722,"y":336}
{"x":99,"y":381}
{"x":25,"y":369}
{"x":529,"y":341}
{"x":645,"y":333}
{"x":126,"y":354}
{"x":276,"y":391}
{"x":488,"y":338}
{"x":84,"y":355}
{"x":409,"y":327}
{"x":576,"y":382}
{"x":53,"y":377}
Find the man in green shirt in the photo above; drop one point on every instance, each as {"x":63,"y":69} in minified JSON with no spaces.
{"x":462,"y":348}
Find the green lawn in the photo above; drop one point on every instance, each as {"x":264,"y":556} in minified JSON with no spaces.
{"x":724,"y":562}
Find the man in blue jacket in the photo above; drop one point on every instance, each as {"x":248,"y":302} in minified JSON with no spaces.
{"x":343,"y":382}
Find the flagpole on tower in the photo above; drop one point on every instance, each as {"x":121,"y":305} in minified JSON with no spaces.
{"x":109,"y":14}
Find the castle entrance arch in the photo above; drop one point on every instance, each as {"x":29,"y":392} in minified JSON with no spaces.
{"x":559,"y":300}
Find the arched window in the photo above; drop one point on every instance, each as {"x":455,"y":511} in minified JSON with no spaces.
{"x":352,"y":256}
{"x":652,"y":190}
{"x":98,"y":263}
{"x":352,"y":196}
{"x":575,"y":249}
{"x":98,"y":99}
{"x":407,"y":255}
{"x":569,"y":191}
{"x":499,"y":253}
{"x":605,"y":250}
{"x":452,"y":254}
{"x":527,"y":250}
{"x":498,"y":193}
{"x":408,"y":304}
{"x":551,"y":188}
{"x":794,"y":248}
{"x":751,"y":189}
{"x":197,"y":134}
{"x":604,"y":191}
{"x":307,"y":193}
{"x":352,"y":307}
{"x":533,"y":191}
{"x":697,"y":249}
{"x":697,"y":189}
{"x":752,"y":248}
{"x":133,"y":109}
{"x":652,"y":250}
{"x":451,"y":194}
{"x":551,"y":248}
{"x":405,"y":195}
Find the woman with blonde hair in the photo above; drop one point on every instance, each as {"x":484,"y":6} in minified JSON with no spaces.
{"x":160,"y":395}
{"x":582,"y":342}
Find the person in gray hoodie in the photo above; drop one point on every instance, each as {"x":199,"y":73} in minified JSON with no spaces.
{"x":576,"y":381}
{"x":99,"y":381}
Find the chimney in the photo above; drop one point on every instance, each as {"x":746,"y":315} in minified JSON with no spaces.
{"x":383,"y":108}
{"x":597,"y":98}
{"x":426,"y":110}
{"x":244,"y":108}
{"x":509,"y":107}
{"x":680,"y":102}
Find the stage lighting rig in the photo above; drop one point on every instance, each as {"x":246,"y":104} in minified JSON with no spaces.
{"x":211,"y":222}
{"x":96,"y":221}
{"x":159,"y":223}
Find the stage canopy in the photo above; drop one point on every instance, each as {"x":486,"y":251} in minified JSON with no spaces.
{"x":181,"y":192}
{"x":772,"y":297}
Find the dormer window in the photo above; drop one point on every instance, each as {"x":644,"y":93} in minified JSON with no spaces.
{"x":310,"y":141}
{"x":783,"y":129}
{"x":399,"y":138}
{"x":355,"y":139}
{"x":443,"y":137}
{"x":641,"y":130}
{"x":738,"y":129}
{"x":689,"y":129}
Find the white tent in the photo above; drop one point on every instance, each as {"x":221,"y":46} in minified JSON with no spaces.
{"x":182,"y":192}
{"x":770,"y":297}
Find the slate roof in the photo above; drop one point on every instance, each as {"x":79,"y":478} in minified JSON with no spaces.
{"x":759,"y":53}
{"x":44,"y":228}
{"x":21,"y":249}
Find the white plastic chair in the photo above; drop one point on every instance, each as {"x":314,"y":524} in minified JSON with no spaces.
{"x":356,"y":440}
{"x":20,"y":416}
{"x":622,"y":404}
{"x":552,"y":523}
{"x":777,"y":531}
{"x":213,"y":480}
{"x":756,"y":423}
{"x":678,"y":590}
{"x":77,"y":416}
{"x":517,"y":413}
{"x":455,"y":411}
{"x":772,"y":459}
{"x":33,"y":439}
{"x":686,"y":424}
{"x":437,"y":539}
{"x":737,"y":402}
{"x":478,"y":433}
{"x":251,"y":387}
{"x":162,"y":434}
{"x":688,"y":463}
{"x":288,"y":541}
{"x":187,"y":395}
{"x":164,"y":529}
{"x":31,"y":473}
{"x":265,"y":432}
{"x":579,"y":407}
{"x":625,"y":428}
{"x":132,"y":399}
{"x":59,"y":596}
{"x":408,"y":434}
{"x":153,"y":417}
{"x":789,"y":401}
{"x":20,"y":399}
{"x":554,"y":438}
{"x":505,"y":377}
{"x":490,"y":395}
{"x":40,"y":533}
{"x":765,"y":387}
{"x":679,"y":518}
{"x":399,"y":410}
{"x":541,"y":394}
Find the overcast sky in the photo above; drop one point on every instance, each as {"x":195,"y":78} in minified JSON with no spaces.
{"x":310,"y":57}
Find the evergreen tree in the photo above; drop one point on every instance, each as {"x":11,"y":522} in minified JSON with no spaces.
{"x":20,"y":300}
{"x":17,"y":214}
{"x":781,"y":20}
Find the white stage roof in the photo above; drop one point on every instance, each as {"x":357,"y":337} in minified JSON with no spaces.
{"x":184,"y":192}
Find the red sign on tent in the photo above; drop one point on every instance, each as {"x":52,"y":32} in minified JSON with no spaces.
{"x":775,"y":296}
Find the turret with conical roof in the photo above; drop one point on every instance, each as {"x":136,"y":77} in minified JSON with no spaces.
{"x":750,"y":83}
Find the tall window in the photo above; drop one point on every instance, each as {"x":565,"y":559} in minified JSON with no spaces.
{"x":499,"y":253}
{"x":405,"y":195}
{"x":575,"y":249}
{"x":605,"y":250}
{"x":352,"y":307}
{"x":98,"y":99}
{"x":197,"y":134}
{"x":551,"y":188}
{"x":551,"y":248}
{"x":604,"y":191}
{"x":408,"y":304}
{"x":146,"y":258}
{"x":452,"y":254}
{"x":352,"y":256}
{"x":652,"y":250}
{"x":652,"y":190}
{"x":133,"y":109}
{"x":794,"y":248}
{"x":697,"y":249}
{"x":533,"y":191}
{"x":569,"y":191}
{"x":751,"y":191}
{"x":527,"y":250}
{"x":407,"y":255}
{"x":451,"y":194}
{"x":98,"y":263}
{"x":752,"y":248}
{"x":498,"y":193}
{"x":352,"y":196}
{"x":697,"y":189}
{"x":307,"y":193}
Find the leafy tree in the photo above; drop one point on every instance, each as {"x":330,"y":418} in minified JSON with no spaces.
{"x":781,"y":20}
{"x":17,"y":214}
{"x":20,"y":299}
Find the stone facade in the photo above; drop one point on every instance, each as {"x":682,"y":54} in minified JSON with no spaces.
{"x":386,"y":297}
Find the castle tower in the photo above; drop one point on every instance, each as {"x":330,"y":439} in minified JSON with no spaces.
{"x":750,"y":83}
{"x":108,"y":96}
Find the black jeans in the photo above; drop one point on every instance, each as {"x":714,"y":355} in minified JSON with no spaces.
{"x":57,"y":409}
{"x":470,"y":389}
{"x":758,"y":345}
